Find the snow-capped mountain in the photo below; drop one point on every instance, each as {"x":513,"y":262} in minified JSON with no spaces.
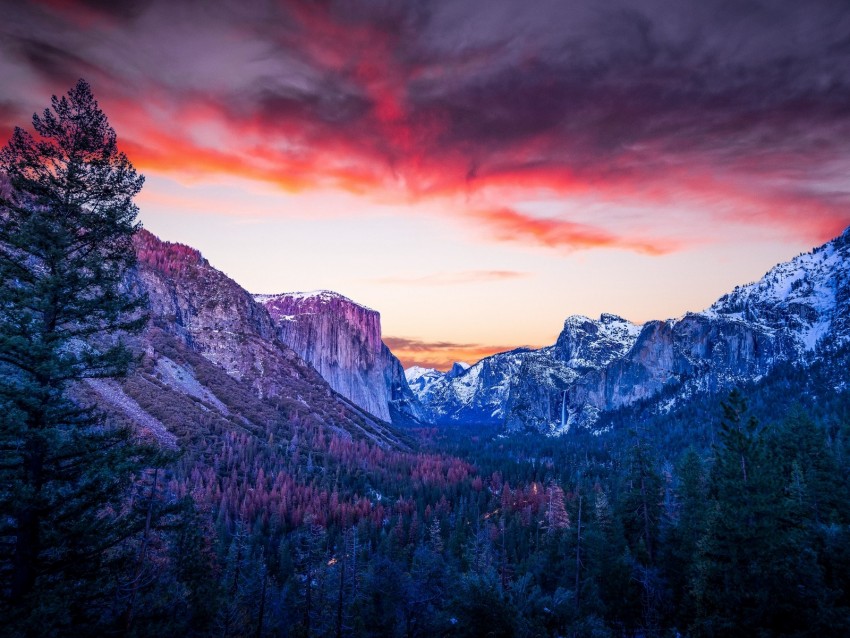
{"x":589,"y":344}
{"x":473,"y":394}
{"x":808,"y":297}
{"x":421,"y":380}
{"x":341,"y":339}
{"x":515,"y":387}
{"x":599,"y":365}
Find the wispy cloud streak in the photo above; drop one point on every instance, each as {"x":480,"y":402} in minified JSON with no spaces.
{"x":454,"y":278}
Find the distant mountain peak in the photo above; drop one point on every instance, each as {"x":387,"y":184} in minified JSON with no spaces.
{"x":457,"y":369}
{"x":604,"y":364}
{"x":608,"y":318}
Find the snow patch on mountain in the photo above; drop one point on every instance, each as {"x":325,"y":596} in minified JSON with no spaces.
{"x":603,"y":364}
{"x":320,"y":296}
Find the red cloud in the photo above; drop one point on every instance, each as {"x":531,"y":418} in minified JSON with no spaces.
{"x":509,"y":225}
{"x":384,"y":100}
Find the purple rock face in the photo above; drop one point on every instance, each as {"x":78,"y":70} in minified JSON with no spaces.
{"x":342,"y":341}
{"x":216,"y":318}
{"x":212,"y":313}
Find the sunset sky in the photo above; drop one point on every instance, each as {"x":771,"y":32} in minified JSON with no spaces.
{"x":475,"y":170}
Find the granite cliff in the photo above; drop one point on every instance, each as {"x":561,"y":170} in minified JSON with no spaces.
{"x":341,"y":339}
{"x":599,"y":365}
{"x":214,"y":351}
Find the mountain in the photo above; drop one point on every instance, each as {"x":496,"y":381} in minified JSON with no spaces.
{"x":211,"y":360}
{"x":807,"y":298}
{"x":475,"y":394}
{"x":523,"y":387}
{"x":341,"y":339}
{"x":600,"y":365}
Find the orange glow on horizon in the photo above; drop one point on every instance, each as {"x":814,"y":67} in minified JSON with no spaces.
{"x":441,"y":356}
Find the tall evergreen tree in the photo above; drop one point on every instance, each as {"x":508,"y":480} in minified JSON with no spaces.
{"x":728,"y":583}
{"x":67,"y":221}
{"x":642,"y":501}
{"x":686,"y":531}
{"x":756,"y":574}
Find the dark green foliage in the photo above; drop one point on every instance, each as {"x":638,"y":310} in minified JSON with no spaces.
{"x":765,"y":555}
{"x":758,"y":567}
{"x":641,"y":499}
{"x":66,"y":225}
{"x":482,"y":608}
{"x":685,"y":527}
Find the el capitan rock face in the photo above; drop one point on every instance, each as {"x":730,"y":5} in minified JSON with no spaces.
{"x":598,"y":365}
{"x":342,"y":341}
{"x":198,"y":310}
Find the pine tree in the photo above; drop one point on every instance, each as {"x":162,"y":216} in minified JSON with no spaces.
{"x":642,"y":502}
{"x":726,"y":578}
{"x":67,"y":221}
{"x":754,"y":575}
{"x":687,"y":530}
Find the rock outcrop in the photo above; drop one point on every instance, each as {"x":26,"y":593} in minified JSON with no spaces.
{"x":341,"y":339}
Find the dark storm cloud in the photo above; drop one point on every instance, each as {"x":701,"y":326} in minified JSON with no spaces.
{"x":743,"y":98}
{"x":56,"y":64}
{"x":730,"y":81}
{"x":120,"y":9}
{"x":606,"y":75}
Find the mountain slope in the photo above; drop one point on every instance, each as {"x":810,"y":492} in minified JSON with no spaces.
{"x":597,"y":366}
{"x":808,"y":297}
{"x":197,"y":310}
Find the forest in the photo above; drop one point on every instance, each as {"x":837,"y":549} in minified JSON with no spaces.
{"x":727,"y":516}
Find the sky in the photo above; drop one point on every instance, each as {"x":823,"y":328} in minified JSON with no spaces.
{"x":475,"y":170}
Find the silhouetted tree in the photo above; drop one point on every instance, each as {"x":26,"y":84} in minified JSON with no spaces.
{"x":67,"y":222}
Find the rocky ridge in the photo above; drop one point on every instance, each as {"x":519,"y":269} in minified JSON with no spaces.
{"x":203,"y":324}
{"x":599,"y":365}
